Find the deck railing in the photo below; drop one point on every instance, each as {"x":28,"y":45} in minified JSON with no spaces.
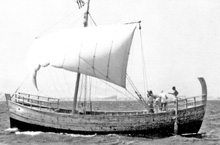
{"x":184,"y":103}
{"x":42,"y":102}
{"x":37,"y":101}
{"x":180,"y":104}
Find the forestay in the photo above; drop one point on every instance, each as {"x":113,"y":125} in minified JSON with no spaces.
{"x":101,"y":52}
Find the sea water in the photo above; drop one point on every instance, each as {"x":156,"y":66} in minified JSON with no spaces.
{"x":209,"y":132}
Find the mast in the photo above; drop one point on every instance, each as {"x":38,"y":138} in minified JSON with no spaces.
{"x":85,"y":24}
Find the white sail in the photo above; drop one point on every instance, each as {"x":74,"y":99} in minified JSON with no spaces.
{"x":101,"y":52}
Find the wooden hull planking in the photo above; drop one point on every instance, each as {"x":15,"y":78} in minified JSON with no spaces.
{"x":29,"y":118}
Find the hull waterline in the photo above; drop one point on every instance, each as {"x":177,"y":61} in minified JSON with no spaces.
{"x":26,"y":117}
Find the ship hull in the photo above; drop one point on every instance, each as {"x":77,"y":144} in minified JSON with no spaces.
{"x":186,"y":117}
{"x":192,"y":127}
{"x":162,"y":124}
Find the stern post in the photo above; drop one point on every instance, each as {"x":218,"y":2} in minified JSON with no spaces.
{"x":204,"y":90}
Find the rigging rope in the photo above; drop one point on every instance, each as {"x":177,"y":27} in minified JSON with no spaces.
{"x":137,"y":92}
{"x":132,"y":84}
{"x":138,"y":99}
{"x":92,"y":19}
{"x":92,"y":67}
{"x":53,"y":25}
{"x":20,"y":85}
{"x":119,"y":90}
{"x":81,"y":88}
{"x":54,"y":85}
{"x":90,"y":92}
{"x":143,"y":64}
{"x":85,"y":92}
{"x":43,"y":93}
{"x":60,"y":84}
{"x":66,"y":83}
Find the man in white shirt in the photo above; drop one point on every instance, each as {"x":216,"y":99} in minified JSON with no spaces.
{"x":164,"y":98}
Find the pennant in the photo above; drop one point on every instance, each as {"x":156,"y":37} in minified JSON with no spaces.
{"x":80,"y":3}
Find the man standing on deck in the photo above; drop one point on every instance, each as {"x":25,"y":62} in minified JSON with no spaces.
{"x":157,"y":104}
{"x":175,"y":92}
{"x":164,"y":98}
{"x":150,"y":101}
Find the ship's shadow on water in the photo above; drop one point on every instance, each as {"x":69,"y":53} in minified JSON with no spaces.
{"x":209,"y":133}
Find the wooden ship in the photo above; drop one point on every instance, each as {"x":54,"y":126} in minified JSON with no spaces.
{"x":104,"y":59}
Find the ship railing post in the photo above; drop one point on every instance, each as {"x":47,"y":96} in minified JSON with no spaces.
{"x":195,"y":101}
{"x":31,"y":102}
{"x":38,"y":100}
{"x":28,"y":98}
{"x":40,"y":105}
{"x":23,"y":100}
{"x":186,"y":103}
{"x":176,"y":118}
{"x":58,"y":105}
{"x":48,"y":101}
{"x":15,"y":97}
{"x":18,"y":97}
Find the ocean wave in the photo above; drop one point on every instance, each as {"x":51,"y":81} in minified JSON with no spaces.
{"x":11,"y":129}
{"x":31,"y":133}
{"x":15,"y":130}
{"x":116,"y":135}
{"x":80,"y":135}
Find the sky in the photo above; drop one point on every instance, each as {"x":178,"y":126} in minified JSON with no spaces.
{"x":181,"y":39}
